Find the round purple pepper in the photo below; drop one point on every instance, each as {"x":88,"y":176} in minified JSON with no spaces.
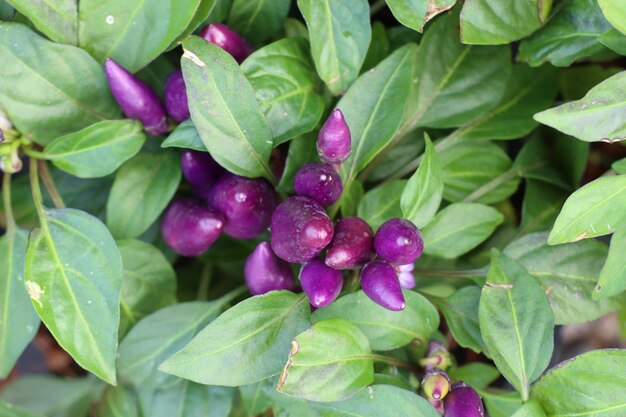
{"x":463,"y":401}
{"x":265,"y":272}
{"x":300,"y":229}
{"x":398,"y":241}
{"x":201,"y":171}
{"x":190,"y":227}
{"x":319,"y":181}
{"x":136,"y":98}
{"x":379,"y":282}
{"x":175,"y":96}
{"x":352,"y":245}
{"x":227,"y":39}
{"x":320,"y":283}
{"x":334,"y":142}
{"x":246,"y":203}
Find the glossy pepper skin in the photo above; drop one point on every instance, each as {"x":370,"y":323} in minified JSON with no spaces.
{"x":136,"y":98}
{"x":334,"y":141}
{"x":175,"y":96}
{"x":463,"y":401}
{"x":246,"y":203}
{"x":190,"y":227}
{"x":265,"y":272}
{"x":300,"y":229}
{"x":320,"y":283}
{"x":227,"y":39}
{"x":379,"y":282}
{"x":398,"y":241}
{"x":201,"y":171}
{"x":352,"y":245}
{"x":318,"y":181}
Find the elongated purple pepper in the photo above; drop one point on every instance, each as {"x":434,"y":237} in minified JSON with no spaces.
{"x":319,"y":181}
{"x":352,"y":245}
{"x":175,"y":96}
{"x":246,"y":203}
{"x":463,"y":401}
{"x":320,"y":283}
{"x":136,"y":98}
{"x":201,"y":171}
{"x":190,"y":227}
{"x":334,"y":142}
{"x":265,"y":272}
{"x":379,"y":282}
{"x":227,"y":39}
{"x":398,"y":241}
{"x":300,"y":229}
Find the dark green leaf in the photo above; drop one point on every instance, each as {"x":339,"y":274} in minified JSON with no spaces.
{"x":478,"y":375}
{"x":118,"y":402}
{"x":416,"y":13}
{"x":499,"y":402}
{"x":184,"y":136}
{"x":188,"y":399}
{"x":576,"y":81}
{"x":10,"y":410}
{"x":256,"y":397}
{"x":57,"y":19}
{"x":202,"y":14}
{"x":615,"y":12}
{"x":301,"y":150}
{"x":258,"y":20}
{"x":541,"y":205}
{"x":381,"y":203}
{"x":405,"y":151}
{"x":612,"y":279}
{"x":379,"y":47}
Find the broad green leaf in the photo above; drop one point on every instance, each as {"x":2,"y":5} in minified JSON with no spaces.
{"x":67,"y":89}
{"x":572,"y":33}
{"x":599,"y":116}
{"x":149,"y":282}
{"x":142,"y":189}
{"x":133,"y":33}
{"x":57,"y":19}
{"x":256,"y":397}
{"x":381,"y":203}
{"x":340,"y":35}
{"x":416,"y":13}
{"x":379,"y":47}
{"x":187,"y":399}
{"x":459,"y":228}
{"x":615,"y":12}
{"x":97,"y":150}
{"x":351,"y":198}
{"x":73,"y":275}
{"x":247,"y":343}
{"x":201,"y":15}
{"x":576,"y":81}
{"x":587,"y":385}
{"x":284,"y":82}
{"x":258,"y":20}
{"x":118,"y":402}
{"x":184,"y":136}
{"x":499,"y":402}
{"x":373,"y":108}
{"x":10,"y":410}
{"x":160,"y":335}
{"x":494,"y":22}
{"x":225,"y":111}
{"x":530,"y":409}
{"x":612,"y":279}
{"x":330,"y":361}
{"x":404,"y":152}
{"x":516,"y":322}
{"x":567,"y":274}
{"x":614,"y":40}
{"x":596,"y":209}
{"x":541,"y":205}
{"x":423,"y":192}
{"x":478,"y":375}
{"x":18,"y":319}
{"x":301,"y":150}
{"x":386,"y":330}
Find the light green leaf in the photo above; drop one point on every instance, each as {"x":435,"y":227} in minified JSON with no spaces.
{"x":187,"y":399}
{"x":530,"y":409}
{"x":615,"y":41}
{"x":258,"y":20}
{"x":381,"y":203}
{"x":118,"y":402}
{"x":10,"y":410}
{"x":416,"y":13}
{"x":184,"y":136}
{"x":57,"y":19}
{"x":619,"y":166}
{"x":478,"y":375}
{"x":202,"y":14}
{"x":615,"y":12}
{"x":612,"y":279}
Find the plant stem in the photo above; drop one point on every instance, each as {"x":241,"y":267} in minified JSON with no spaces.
{"x":48,"y":182}
{"x":6,"y":199}
{"x":205,"y":282}
{"x":34,"y":153}
{"x":36,"y":190}
{"x":394,"y":361}
{"x":450,"y":273}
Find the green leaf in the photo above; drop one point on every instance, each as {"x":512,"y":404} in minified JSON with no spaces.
{"x":379,"y":47}
{"x":541,"y":205}
{"x":574,"y":388}
{"x":459,"y":228}
{"x":118,"y":402}
{"x":56,"y":19}
{"x":225,"y":111}
{"x":596,"y":209}
{"x":599,"y":116}
{"x":351,"y":198}
{"x":495,"y":22}
{"x":128,"y":31}
{"x":416,"y":13}
{"x":187,"y":399}
{"x":478,"y":375}
{"x":301,"y":150}
{"x":612,"y":279}
{"x":284,"y":82}
{"x":499,"y":402}
{"x":10,"y":410}
{"x":619,"y":166}
{"x":142,"y":189}
{"x":74,"y":277}
{"x":530,"y":409}
{"x":576,"y":81}
{"x":423,"y":192}
{"x":149,"y":282}
{"x":386,"y":330}
{"x":67,"y":89}
{"x":567,"y":274}
{"x":330,"y":361}
{"x":572,"y":33}
{"x":615,"y":12}
{"x":258,"y":20}
{"x":516,"y":322}
{"x":247,"y":343}
{"x":97,"y":150}
{"x":19,"y":321}
{"x":381,"y":203}
{"x":404,"y":152}
{"x":184,"y":136}
{"x":256,"y":397}
{"x":615,"y":41}
{"x":340,"y":35}
{"x":201,"y":15}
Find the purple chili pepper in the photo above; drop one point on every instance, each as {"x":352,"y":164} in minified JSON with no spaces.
{"x":227,"y":39}
{"x":379,"y":282}
{"x":463,"y":401}
{"x":201,"y":171}
{"x":321,"y":283}
{"x":265,"y":272}
{"x":398,"y":241}
{"x":319,"y":181}
{"x":175,"y":94}
{"x":334,"y":141}
{"x":352,"y":245}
